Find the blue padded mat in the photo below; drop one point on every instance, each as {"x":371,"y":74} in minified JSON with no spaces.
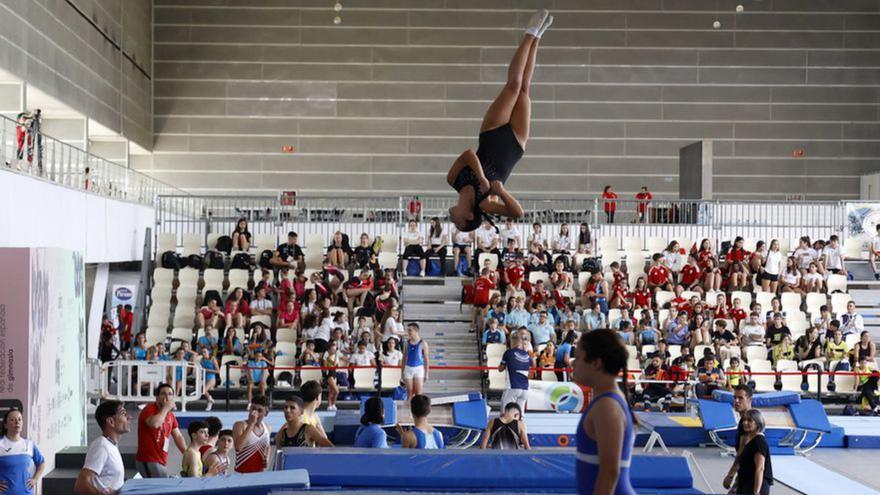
{"x":810,"y":415}
{"x":238,"y":484}
{"x":454,"y":470}
{"x":471,"y":414}
{"x":717,"y":415}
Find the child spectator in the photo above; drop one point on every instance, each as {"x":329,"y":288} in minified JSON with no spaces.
{"x":644,"y":198}
{"x":333,"y":359}
{"x":776,"y":331}
{"x":493,"y":334}
{"x":288,"y":317}
{"x":209,"y":315}
{"x":363,"y":252}
{"x":641,"y":295}
{"x":547,"y":358}
{"x":691,"y":275}
{"x":261,"y":305}
{"x":596,"y":292}
{"x":726,"y":342}
{"x":363,"y":357}
{"x":677,"y":330}
{"x":784,"y":350}
{"x":659,"y":275}
{"x":209,"y":363}
{"x":237,"y":309}
{"x":482,"y":288}
{"x":621,"y":296}
{"x":257,"y":367}
{"x":753,"y":333}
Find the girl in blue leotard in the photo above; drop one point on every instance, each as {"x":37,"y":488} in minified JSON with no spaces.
{"x":605,"y":432}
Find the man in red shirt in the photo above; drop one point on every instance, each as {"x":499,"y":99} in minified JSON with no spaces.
{"x":156,"y":425}
{"x":644,"y":198}
{"x":659,"y":276}
{"x":483,"y":286}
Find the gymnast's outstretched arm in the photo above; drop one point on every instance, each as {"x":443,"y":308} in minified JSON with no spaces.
{"x":467,"y":159}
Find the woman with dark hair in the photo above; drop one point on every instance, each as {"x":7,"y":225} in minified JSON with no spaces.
{"x":610,"y":206}
{"x":437,"y":241}
{"x":584,"y":240}
{"x":479,"y":177}
{"x":371,"y":435}
{"x":241,"y":238}
{"x":413,"y":240}
{"x":754,"y":474}
{"x":605,"y":432}
{"x":21,"y":465}
{"x":508,"y":431}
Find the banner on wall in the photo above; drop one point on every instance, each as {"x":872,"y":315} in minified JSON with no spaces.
{"x":42,"y":344}
{"x":862,"y":220}
{"x":122,"y":294}
{"x":562,"y":397}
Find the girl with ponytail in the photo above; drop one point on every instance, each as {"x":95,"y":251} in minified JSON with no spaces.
{"x":605,"y":432}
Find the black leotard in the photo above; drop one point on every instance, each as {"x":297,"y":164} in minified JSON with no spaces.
{"x":298,"y":440}
{"x":499,"y":151}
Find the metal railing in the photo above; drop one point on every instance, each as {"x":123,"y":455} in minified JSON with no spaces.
{"x":65,"y":164}
{"x":668,"y":219}
{"x":136,"y":381}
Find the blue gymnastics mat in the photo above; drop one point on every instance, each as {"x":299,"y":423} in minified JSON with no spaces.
{"x":236,"y":484}
{"x":455,"y":470}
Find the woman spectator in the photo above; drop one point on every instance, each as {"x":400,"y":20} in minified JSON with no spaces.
{"x":22,"y":464}
{"x":672,"y":255}
{"x":735,"y":261}
{"x":508,"y":431}
{"x":644,"y":198}
{"x":241,"y":238}
{"x":700,"y":329}
{"x":813,"y":281}
{"x":537,"y":236}
{"x":610,"y":205}
{"x":413,"y":240}
{"x":261,"y":338}
{"x":547,"y":358}
{"x":784,"y":350}
{"x":237,"y":309}
{"x":804,"y":254}
{"x":562,"y":242}
{"x":864,"y":348}
{"x":390,"y":327}
{"x":539,"y":260}
{"x":391,"y":355}
{"x":791,"y":277}
{"x":339,"y":251}
{"x":208,"y":341}
{"x":363,"y":252}
{"x":641,"y":295}
{"x":709,"y":264}
{"x":107,"y":350}
{"x":808,"y":347}
{"x":773,"y":267}
{"x":289,"y":316}
{"x":584,"y":240}
{"x":561,"y":279}
{"x":209,"y":314}
{"x":209,"y":364}
{"x":370,"y":434}
{"x":754,"y":469}
{"x":437,"y":244}
{"x":232,"y":345}
{"x":462,"y":251}
{"x":139,"y":350}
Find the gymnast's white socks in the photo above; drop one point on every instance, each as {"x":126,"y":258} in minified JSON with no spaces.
{"x":547,"y":23}
{"x":536,"y":23}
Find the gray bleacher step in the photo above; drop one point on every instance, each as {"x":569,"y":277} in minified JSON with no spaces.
{"x":434,"y":312}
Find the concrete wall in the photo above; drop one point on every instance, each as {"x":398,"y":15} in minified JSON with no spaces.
{"x":384,"y":101}
{"x":92,"y":55}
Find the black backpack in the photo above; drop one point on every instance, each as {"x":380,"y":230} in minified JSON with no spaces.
{"x":224,"y":243}
{"x":266,"y":259}
{"x":195,"y":261}
{"x":590,"y":265}
{"x":214,"y":260}
{"x":170,"y":259}
{"x":241,"y":261}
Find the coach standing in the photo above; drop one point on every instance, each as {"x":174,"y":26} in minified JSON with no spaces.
{"x":156,"y":426}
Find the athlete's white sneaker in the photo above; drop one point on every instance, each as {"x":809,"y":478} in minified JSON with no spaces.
{"x":536,"y":22}
{"x":331,"y":408}
{"x":547,"y":23}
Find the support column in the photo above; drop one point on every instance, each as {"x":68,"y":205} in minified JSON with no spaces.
{"x":695,"y":171}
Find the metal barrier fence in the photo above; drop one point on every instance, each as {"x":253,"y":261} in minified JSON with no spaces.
{"x":50,"y":159}
{"x":272,"y":216}
{"x":136,"y":381}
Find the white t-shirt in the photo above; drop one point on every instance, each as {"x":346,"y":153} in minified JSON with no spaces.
{"x":753,"y":335}
{"x":262,"y":305}
{"x":324,"y":330}
{"x":832,"y":257}
{"x":103,"y":459}
{"x":410,"y":237}
{"x":813,"y":277}
{"x":773,"y":262}
{"x":507,"y":234}
{"x":539,"y":238}
{"x":463,"y":238}
{"x":792,"y":278}
{"x":805,"y":256}
{"x":563,"y":242}
{"x":391,"y":359}
{"x":360,"y":359}
{"x":673,"y":259}
{"x":485,"y":237}
{"x":392,"y":329}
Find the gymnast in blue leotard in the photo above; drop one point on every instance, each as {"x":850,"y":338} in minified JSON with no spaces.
{"x":605,"y":432}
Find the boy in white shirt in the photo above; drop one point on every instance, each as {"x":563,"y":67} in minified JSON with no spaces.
{"x":832,"y":257}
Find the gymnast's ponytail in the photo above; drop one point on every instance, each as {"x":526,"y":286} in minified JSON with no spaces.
{"x":604,"y":344}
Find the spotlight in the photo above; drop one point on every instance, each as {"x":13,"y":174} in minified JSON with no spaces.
{"x":739,"y":9}
{"x":337,"y":20}
{"x":337,"y":7}
{"x":716,"y":24}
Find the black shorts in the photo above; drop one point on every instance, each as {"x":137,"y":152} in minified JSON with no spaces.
{"x":414,"y":251}
{"x":835,"y":270}
{"x":769,"y":277}
{"x":461,"y":246}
